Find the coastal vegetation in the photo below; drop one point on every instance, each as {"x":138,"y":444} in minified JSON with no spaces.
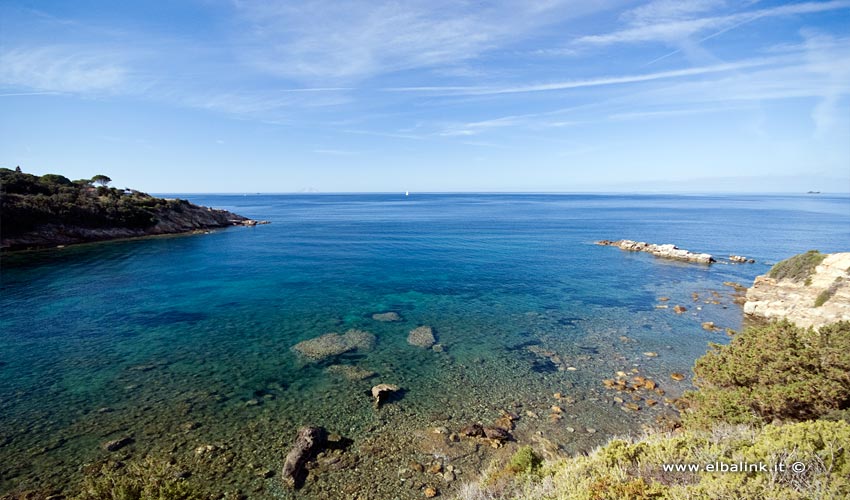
{"x":827,"y":294}
{"x":777,"y":395}
{"x":798,"y":268}
{"x":29,"y":201}
{"x":775,"y":371}
{"x":37,"y":211}
{"x":148,"y":479}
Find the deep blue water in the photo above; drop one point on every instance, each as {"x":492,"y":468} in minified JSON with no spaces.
{"x":161,"y":331}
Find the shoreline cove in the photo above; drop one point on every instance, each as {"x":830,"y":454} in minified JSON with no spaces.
{"x":182,"y":350}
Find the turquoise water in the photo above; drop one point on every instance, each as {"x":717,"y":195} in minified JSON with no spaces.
{"x":183,"y":342}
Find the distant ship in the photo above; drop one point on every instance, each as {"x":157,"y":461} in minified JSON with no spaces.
{"x":407,"y":193}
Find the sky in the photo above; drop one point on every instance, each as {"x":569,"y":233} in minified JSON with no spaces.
{"x":385,"y":96}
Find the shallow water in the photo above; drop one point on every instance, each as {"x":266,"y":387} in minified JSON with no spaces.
{"x":143,"y":338}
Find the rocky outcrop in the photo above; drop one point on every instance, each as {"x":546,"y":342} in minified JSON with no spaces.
{"x":308,"y":443}
{"x":185,"y":218}
{"x":740,"y":259}
{"x":821,"y":299}
{"x":667,"y":251}
{"x":334,"y":344}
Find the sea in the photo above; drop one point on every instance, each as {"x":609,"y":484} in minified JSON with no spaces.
{"x":181,"y":346}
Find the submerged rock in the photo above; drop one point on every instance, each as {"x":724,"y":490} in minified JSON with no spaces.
{"x":350,"y":372}
{"x":387,"y":316}
{"x":381,"y":391}
{"x":308,"y":443}
{"x":422,"y":336}
{"x":117,"y":444}
{"x":334,"y":344}
{"x":667,"y":251}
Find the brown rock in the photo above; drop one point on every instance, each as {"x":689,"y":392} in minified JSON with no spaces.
{"x":474,"y":430}
{"x":430,"y":492}
{"x":117,"y":444}
{"x":496,"y":434}
{"x":308,"y":443}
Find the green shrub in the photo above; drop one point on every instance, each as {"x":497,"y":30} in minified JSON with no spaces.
{"x":773,"y":371}
{"x":797,"y":268}
{"x":525,"y":461}
{"x":148,"y":480}
{"x":635,"y":468}
{"x":827,"y":294}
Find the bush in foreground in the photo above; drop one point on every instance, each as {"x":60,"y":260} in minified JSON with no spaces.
{"x":148,"y":479}
{"x":775,"y":371}
{"x":635,"y":469}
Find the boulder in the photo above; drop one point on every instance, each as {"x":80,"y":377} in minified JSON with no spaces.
{"x":422,"y":336}
{"x":117,"y":444}
{"x":474,"y":430}
{"x":308,"y":443}
{"x":381,"y":391}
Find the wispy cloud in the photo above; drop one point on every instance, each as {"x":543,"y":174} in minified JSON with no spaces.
{"x":301,"y":41}
{"x":594,"y":82}
{"x":668,"y":21}
{"x":61,"y":69}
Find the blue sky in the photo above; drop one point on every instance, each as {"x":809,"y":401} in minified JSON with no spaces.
{"x":262,"y":96}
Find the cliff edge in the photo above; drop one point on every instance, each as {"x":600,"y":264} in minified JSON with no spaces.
{"x":810,"y":289}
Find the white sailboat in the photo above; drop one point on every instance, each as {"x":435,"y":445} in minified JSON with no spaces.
{"x":407,"y":193}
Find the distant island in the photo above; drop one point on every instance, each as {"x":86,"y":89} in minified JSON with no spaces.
{"x":52,"y":210}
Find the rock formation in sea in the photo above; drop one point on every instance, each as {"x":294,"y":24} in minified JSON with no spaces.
{"x":381,"y":392}
{"x":811,"y":290}
{"x":667,"y":251}
{"x":334,"y":344}
{"x":386,"y":317}
{"x":422,"y":336}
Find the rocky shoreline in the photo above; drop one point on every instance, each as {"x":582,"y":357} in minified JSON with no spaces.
{"x":820,"y":298}
{"x":190,"y":218}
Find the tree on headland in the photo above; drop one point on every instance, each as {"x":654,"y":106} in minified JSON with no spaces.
{"x":101,"y":180}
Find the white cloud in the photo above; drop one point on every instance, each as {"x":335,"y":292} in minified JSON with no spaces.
{"x":61,"y":69}
{"x":328,"y":40}
{"x":672,"y":22}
